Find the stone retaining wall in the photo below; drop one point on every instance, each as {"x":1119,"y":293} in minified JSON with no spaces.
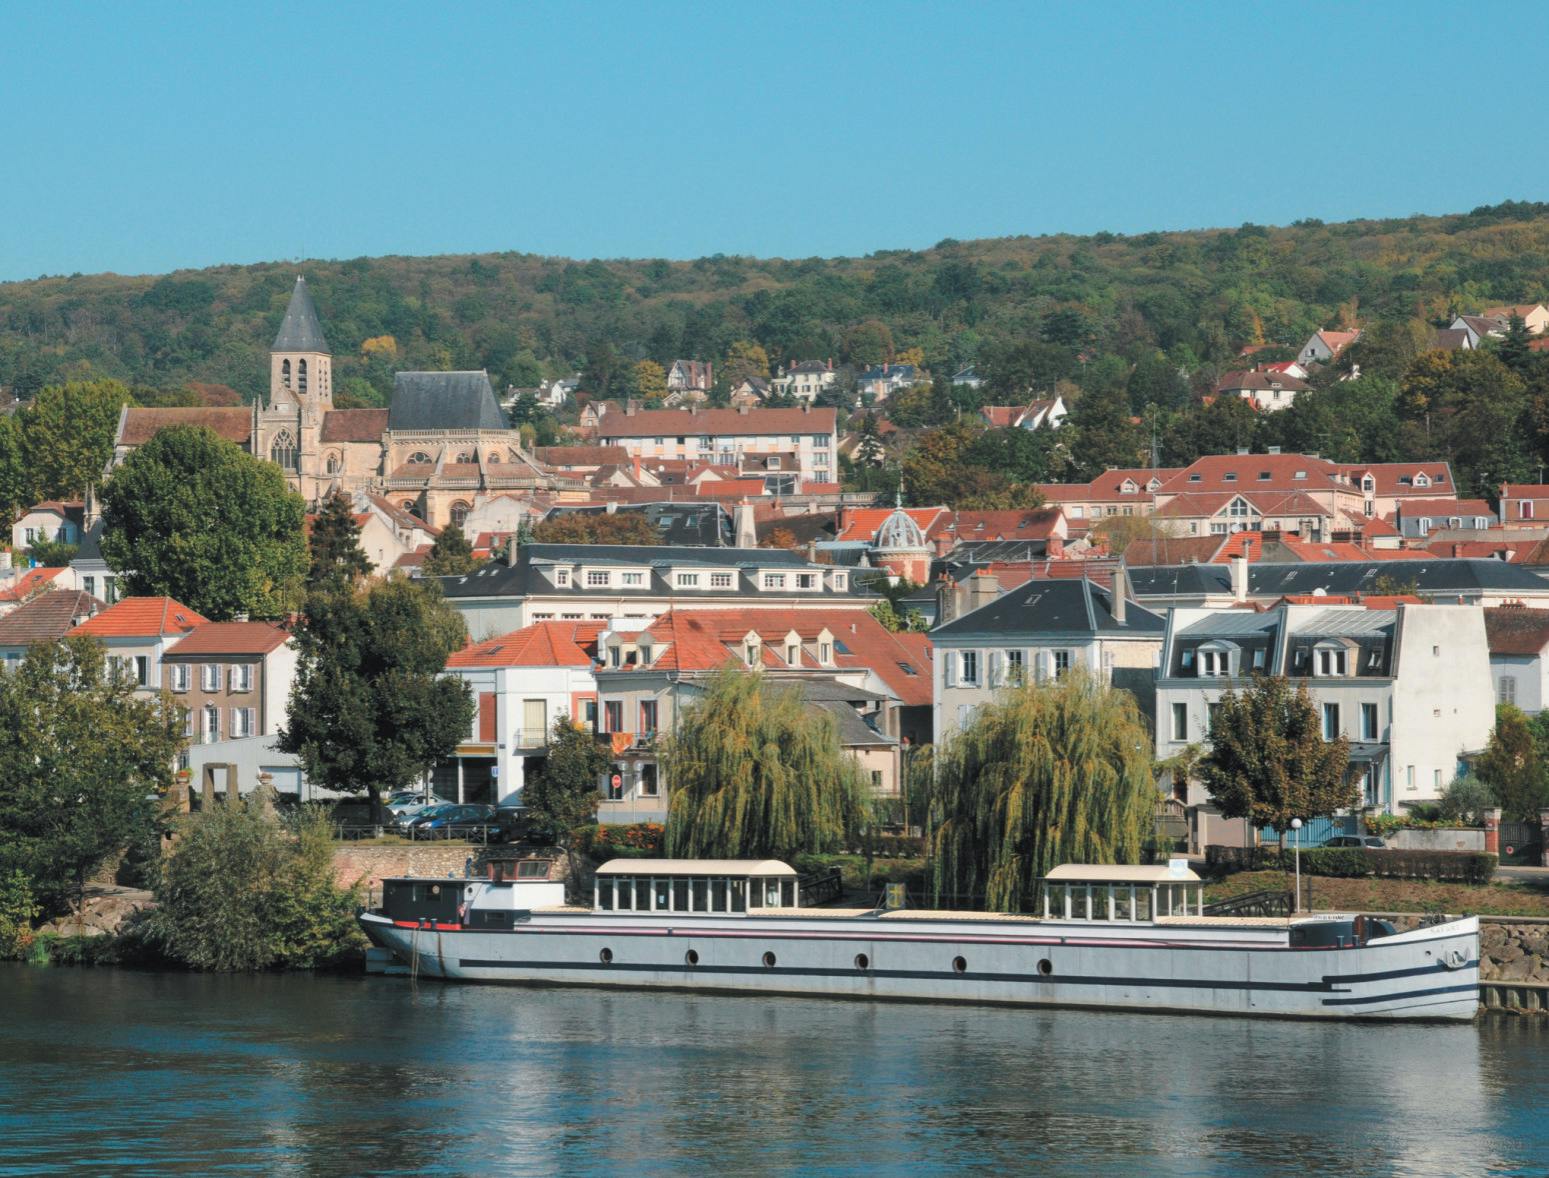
{"x":371,"y":864}
{"x":1514,"y":949}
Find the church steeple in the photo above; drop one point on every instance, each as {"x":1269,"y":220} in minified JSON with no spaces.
{"x":300,"y":330}
{"x":300,"y":368}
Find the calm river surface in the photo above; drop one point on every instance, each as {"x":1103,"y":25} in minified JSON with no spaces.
{"x":111,"y":1071}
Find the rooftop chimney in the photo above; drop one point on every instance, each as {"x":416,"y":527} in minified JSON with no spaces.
{"x":1239,"y":567}
{"x":983,"y":588}
{"x":747,"y":535}
{"x":513,"y":545}
{"x":1120,"y":593}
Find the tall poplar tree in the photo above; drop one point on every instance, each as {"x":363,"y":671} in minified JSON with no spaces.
{"x":451,"y":555}
{"x":334,"y":544}
{"x":1043,"y":775}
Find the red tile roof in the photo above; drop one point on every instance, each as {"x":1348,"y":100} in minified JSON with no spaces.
{"x":1037,"y":523}
{"x":542,"y":644}
{"x":1515,"y":629}
{"x":61,"y":507}
{"x":29,"y":583}
{"x":570,"y":456}
{"x":1387,"y":476}
{"x":226,"y":638}
{"x":1433,"y":507}
{"x":862,"y":523}
{"x":143,"y":617}
{"x":715,"y":422}
{"x":1210,"y":472}
{"x":141,"y":425}
{"x":354,"y":425}
{"x":47,"y":616}
{"x":705,"y":640}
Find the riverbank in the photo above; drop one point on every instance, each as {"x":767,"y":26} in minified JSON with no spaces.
{"x":1320,"y":892}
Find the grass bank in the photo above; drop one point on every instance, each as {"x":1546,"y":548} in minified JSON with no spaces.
{"x":1391,"y":895}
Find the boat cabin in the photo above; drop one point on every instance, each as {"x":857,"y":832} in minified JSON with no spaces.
{"x":1082,"y":891}
{"x":694,"y":885}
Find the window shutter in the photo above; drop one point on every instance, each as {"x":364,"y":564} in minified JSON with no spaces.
{"x":949,"y":668}
{"x":487,"y":717}
{"x":995,"y":663}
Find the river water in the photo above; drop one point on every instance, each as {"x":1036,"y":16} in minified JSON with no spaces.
{"x":110,"y":1071}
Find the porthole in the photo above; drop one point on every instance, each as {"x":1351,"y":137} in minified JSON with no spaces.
{"x":959,"y":965}
{"x":862,"y":962}
{"x":769,"y":960}
{"x":691,"y":957}
{"x":1045,"y":966}
{"x":606,"y":957}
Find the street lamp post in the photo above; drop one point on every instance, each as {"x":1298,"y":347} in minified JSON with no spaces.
{"x":1296,"y":854}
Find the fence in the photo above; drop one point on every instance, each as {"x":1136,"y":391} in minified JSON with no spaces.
{"x":1315,"y":832}
{"x":480,"y":833}
{"x":1521,"y":842}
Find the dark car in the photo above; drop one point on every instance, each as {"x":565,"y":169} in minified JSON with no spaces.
{"x":469,"y":821}
{"x":1370,"y":841}
{"x":519,"y":826}
{"x":399,"y":822}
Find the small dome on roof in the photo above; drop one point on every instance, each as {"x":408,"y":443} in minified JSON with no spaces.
{"x":899,"y":533}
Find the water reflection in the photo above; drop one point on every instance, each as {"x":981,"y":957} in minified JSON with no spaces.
{"x":105,"y":1070}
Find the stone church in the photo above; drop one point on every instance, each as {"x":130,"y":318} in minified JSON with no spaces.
{"x":440,"y":448}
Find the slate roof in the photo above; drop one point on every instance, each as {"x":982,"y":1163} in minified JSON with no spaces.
{"x":300,"y":330}
{"x":46,"y":617}
{"x":443,"y":401}
{"x":1260,"y":382}
{"x":141,"y":425}
{"x":1450,"y":339}
{"x":354,"y":425}
{"x":229,"y":638}
{"x":1053,"y":607}
{"x":542,"y":644}
{"x":1432,"y":577}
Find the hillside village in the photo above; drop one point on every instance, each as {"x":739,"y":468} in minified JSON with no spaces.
{"x":1408,"y":605}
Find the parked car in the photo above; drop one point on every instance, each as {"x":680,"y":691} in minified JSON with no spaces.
{"x":1370,"y":841}
{"x":470,"y":821}
{"x":412,"y":799}
{"x":412,"y":815}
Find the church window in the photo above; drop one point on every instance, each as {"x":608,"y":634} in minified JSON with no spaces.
{"x":419,"y":457}
{"x":334,"y":464}
{"x":282,"y":451}
{"x":408,"y":505}
{"x":285,"y":373}
{"x":493,"y":458}
{"x":460,"y":512}
{"x":301,"y":376}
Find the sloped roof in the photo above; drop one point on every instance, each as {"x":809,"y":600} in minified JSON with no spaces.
{"x":1166,"y":550}
{"x":542,"y":644}
{"x":1035,"y":523}
{"x":354,"y":425}
{"x":1416,"y":508}
{"x":300,"y":330}
{"x":401,"y":518}
{"x":582,"y":455}
{"x":227,"y":638}
{"x":143,"y":617}
{"x":48,"y":616}
{"x":29,"y":583}
{"x":645,"y":423}
{"x":1260,"y":382}
{"x":1513,"y":629}
{"x":862,"y":523}
{"x":1053,"y":607}
{"x":141,"y":425}
{"x":443,"y":401}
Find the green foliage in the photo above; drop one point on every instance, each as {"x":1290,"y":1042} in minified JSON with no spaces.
{"x":333,"y":544}
{"x":886,"y":613}
{"x":1512,"y":766}
{"x":579,"y":527}
{"x":51,"y":554}
{"x":563,"y":796}
{"x":18,"y":910}
{"x":1268,"y":761}
{"x":193,"y":517}
{"x":641,"y":840}
{"x":370,"y":710}
{"x":938,"y":469}
{"x":67,"y":436}
{"x":242,"y":891}
{"x":754,"y":772}
{"x":1465,"y":800}
{"x":451,"y":555}
{"x":1043,"y":775}
{"x":1472,"y":867}
{"x":81,"y":758}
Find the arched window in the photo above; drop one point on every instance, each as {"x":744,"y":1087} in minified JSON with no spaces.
{"x":301,"y":376}
{"x":285,"y":373}
{"x":460,"y":512}
{"x":333,"y":464}
{"x":492,"y":458}
{"x":408,"y":505}
{"x":282,"y":452}
{"x":467,"y":456}
{"x":419,"y":457}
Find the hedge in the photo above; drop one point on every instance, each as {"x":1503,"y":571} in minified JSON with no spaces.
{"x":1472,"y":867}
{"x":642,"y":840}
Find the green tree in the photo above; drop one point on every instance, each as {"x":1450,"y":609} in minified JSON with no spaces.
{"x":333,"y":542}
{"x":1156,"y":381}
{"x":67,"y":435}
{"x":1268,"y":761}
{"x":744,"y":359}
{"x":1513,"y":766}
{"x":1225,"y":426}
{"x":754,"y":772}
{"x":191,"y":516}
{"x":563,"y":795}
{"x":601,"y":527}
{"x":451,"y":555}
{"x":81,"y":755}
{"x":1475,"y":412}
{"x":1043,"y":775}
{"x":869,"y":450}
{"x":370,"y":711}
{"x":51,"y":554}
{"x":650,"y":380}
{"x":244,"y":891}
{"x":940,"y":469}
{"x":868,"y":344}
{"x":1105,"y":434}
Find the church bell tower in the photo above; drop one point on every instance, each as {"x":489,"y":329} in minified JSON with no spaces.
{"x":300,"y":366}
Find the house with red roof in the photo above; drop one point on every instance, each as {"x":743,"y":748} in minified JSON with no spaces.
{"x":1417,"y":518}
{"x":1117,"y":492}
{"x":727,"y":436}
{"x":25,"y":584}
{"x":1524,"y":505}
{"x":1519,"y":639}
{"x":1047,"y":412}
{"x":46,"y":618}
{"x":874,"y":685}
{"x":137,"y":633}
{"x":1534,"y":316}
{"x":522,"y":682}
{"x":52,"y":521}
{"x":1325,"y":346}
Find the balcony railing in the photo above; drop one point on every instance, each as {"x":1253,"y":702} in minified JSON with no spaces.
{"x":530,"y":738}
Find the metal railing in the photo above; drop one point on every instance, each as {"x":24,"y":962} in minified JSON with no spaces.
{"x":480,"y":833}
{"x":1252,"y":904}
{"x":820,"y":887}
{"x":531,"y":738}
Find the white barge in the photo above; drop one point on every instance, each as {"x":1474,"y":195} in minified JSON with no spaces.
{"x":1115,"y":937}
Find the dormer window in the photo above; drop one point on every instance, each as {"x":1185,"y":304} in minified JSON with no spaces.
{"x":1421,"y":480}
{"x":1215,"y":660}
{"x":1153,"y":484}
{"x":1330,"y":661}
{"x":1128,"y":487}
{"x":1194,"y":478}
{"x":792,"y":654}
{"x":841,"y":580}
{"x":1368,"y":483}
{"x":562,"y":578}
{"x":1229,"y":477}
{"x":826,"y":653}
{"x":750,"y":651}
{"x":686,"y":580}
{"x":597,"y":578}
{"x":774,"y":580}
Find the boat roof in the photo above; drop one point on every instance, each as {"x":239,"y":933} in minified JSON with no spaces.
{"x":695,"y":867}
{"x":1121,"y":873}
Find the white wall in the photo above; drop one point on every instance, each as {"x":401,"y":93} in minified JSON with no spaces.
{"x":1443,"y":696}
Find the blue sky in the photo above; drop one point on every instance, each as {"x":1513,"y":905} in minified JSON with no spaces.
{"x":146,"y":137}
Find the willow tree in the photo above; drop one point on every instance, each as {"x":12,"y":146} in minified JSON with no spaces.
{"x":1043,"y":775}
{"x":754,"y":771}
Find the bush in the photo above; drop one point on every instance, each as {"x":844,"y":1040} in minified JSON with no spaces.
{"x":18,"y":910}
{"x":897,"y":846}
{"x":1339,"y":862}
{"x":1472,"y":867}
{"x":1466,"y":800}
{"x":243,"y":891}
{"x":642,"y":840}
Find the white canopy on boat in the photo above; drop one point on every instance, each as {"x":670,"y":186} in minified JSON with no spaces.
{"x":1122,"y":873}
{"x":721,"y":867}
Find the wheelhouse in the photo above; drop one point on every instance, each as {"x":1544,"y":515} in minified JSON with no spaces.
{"x":694,"y":885}
{"x":1080,"y":891}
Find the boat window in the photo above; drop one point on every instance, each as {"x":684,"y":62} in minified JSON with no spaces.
{"x":532,"y":869}
{"x":1123,"y":903}
{"x":1142,"y":904}
{"x":626,"y":896}
{"x":717,"y":895}
{"x":771,"y":893}
{"x":739,"y":895}
{"x":663,"y":895}
{"x":788,"y":892}
{"x":755,"y":895}
{"x":680,"y":895}
{"x":701,"y":893}
{"x":605,"y":896}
